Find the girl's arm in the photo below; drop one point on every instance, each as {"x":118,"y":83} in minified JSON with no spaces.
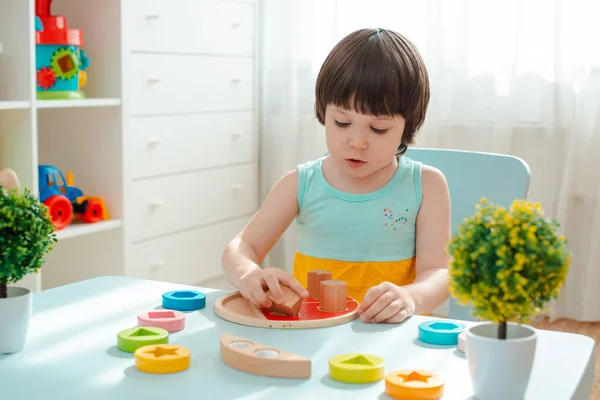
{"x":242,"y":256}
{"x":430,"y":288}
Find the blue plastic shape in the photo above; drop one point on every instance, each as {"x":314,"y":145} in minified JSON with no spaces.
{"x":183,"y":300}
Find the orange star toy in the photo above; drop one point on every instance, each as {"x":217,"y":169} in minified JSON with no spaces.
{"x":411,"y":384}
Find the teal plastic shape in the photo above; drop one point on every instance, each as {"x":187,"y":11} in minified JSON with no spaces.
{"x":131,"y":339}
{"x":443,"y":333}
{"x":183,"y":300}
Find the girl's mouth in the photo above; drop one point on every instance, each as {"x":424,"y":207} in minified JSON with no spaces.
{"x":354,"y":163}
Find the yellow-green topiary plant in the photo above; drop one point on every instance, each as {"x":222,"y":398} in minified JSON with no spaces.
{"x":507,"y":263}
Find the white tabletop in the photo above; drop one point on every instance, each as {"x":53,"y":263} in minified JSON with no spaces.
{"x":71,"y":353}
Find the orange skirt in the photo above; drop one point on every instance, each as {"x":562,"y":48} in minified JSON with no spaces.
{"x":359,"y":276}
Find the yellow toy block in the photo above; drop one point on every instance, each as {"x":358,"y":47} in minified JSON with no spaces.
{"x":356,"y":368}
{"x":413,"y":384}
{"x":162,"y":358}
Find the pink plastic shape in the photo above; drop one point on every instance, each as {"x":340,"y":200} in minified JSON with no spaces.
{"x":169,"y":320}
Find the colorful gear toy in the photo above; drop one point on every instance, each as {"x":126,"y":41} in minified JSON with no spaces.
{"x":65,"y":63}
{"x":45,"y":78}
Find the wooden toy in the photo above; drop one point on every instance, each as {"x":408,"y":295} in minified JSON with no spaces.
{"x":413,"y":384}
{"x":235,"y":308}
{"x":256,"y":358}
{"x":462,"y":338}
{"x":332,"y":294}
{"x":169,"y":320}
{"x":162,"y":358}
{"x":183,"y":300}
{"x":356,"y":368}
{"x":292,"y":303}
{"x":314,"y":280}
{"x":131,"y":339}
{"x":440,"y":333}
{"x":9,"y":179}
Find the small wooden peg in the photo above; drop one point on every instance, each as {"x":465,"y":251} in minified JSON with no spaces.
{"x":333,"y":295}
{"x":314,"y":279}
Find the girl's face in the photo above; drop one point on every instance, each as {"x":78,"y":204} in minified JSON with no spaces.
{"x":361,"y":144}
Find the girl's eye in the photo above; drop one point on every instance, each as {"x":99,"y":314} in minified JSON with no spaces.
{"x":379,"y":130}
{"x":341,"y":124}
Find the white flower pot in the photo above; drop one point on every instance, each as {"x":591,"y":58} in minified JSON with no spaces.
{"x":15,"y":314}
{"x":500,"y":369}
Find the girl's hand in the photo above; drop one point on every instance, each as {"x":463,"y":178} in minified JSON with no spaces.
{"x":254,"y":285}
{"x":387,"y":303}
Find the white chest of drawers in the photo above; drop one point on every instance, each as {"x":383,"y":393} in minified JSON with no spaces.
{"x":189,"y":104}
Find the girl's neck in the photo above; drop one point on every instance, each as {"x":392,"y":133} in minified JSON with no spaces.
{"x":338,"y":179}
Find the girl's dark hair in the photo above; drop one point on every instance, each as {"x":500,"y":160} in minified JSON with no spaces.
{"x":376,"y":72}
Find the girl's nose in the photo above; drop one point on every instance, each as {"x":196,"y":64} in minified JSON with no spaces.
{"x":358,"y":141}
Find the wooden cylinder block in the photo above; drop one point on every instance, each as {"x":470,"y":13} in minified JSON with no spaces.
{"x":314,"y":279}
{"x":332,"y":295}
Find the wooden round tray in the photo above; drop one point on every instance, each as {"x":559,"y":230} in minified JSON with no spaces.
{"x":235,"y":308}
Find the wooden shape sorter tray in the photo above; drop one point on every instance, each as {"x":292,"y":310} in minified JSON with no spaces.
{"x":235,"y":308}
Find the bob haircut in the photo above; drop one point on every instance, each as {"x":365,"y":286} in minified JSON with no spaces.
{"x":376,"y":72}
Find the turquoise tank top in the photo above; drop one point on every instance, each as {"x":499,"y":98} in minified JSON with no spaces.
{"x":375,"y":226}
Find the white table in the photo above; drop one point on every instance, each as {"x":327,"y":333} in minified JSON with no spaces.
{"x":71,"y":353}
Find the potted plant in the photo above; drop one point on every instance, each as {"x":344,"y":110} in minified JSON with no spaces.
{"x":26,"y":236}
{"x":507,"y":263}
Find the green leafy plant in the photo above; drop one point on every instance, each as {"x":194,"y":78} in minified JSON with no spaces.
{"x":507,"y":262}
{"x":26,"y":235}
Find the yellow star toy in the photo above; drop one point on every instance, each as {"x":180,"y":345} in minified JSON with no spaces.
{"x":162,"y":358}
{"x":413,"y":384}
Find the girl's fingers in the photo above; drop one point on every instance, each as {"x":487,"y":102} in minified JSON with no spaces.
{"x":382,"y":302}
{"x":398,"y":317}
{"x":293,"y":284}
{"x":273,"y":284}
{"x":260,"y":296}
{"x":371,"y":296}
{"x":388,"y":312}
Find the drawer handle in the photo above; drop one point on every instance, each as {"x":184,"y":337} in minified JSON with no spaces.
{"x":236,"y":24}
{"x":237,"y":187}
{"x":153,"y":80}
{"x":152,"y":16}
{"x":154,"y":142}
{"x":236,"y":135}
{"x":236,"y":80}
{"x":157,"y":203}
{"x":157,"y":264}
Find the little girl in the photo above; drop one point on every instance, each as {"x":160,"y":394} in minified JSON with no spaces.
{"x":365,"y":212}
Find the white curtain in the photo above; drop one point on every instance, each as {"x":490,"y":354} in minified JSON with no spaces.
{"x":514,"y":77}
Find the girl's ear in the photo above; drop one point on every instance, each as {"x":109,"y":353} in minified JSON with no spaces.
{"x":9,"y":179}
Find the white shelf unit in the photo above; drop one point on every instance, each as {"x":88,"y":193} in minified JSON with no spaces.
{"x":14,"y":105}
{"x":77,"y":103}
{"x":167,"y":134}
